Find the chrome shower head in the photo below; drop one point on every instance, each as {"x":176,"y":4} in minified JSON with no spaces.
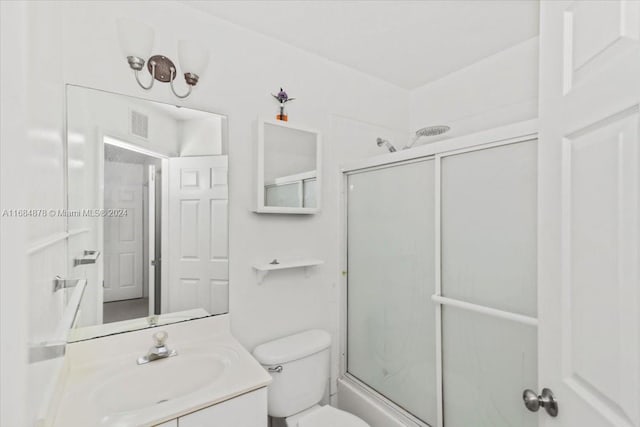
{"x":432,"y":131}
{"x":386,"y":143}
{"x":427,"y":131}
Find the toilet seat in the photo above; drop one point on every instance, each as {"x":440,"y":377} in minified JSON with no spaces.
{"x":328,"y":416}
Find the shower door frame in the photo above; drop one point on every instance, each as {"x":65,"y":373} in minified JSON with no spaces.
{"x":499,"y":136}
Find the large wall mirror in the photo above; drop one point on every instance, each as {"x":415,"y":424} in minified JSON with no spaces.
{"x":288,"y":168}
{"x":148,"y":212}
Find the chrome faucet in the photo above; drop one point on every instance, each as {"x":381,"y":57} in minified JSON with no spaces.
{"x":159,"y":350}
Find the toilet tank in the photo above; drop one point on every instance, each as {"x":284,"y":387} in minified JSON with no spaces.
{"x":304,"y":358}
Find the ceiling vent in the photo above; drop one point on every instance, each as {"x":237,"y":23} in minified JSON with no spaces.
{"x":139,"y":124}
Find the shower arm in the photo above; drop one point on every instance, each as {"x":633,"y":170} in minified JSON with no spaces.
{"x":387,"y":144}
{"x":411,"y":142}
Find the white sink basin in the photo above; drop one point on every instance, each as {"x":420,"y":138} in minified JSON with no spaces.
{"x":103,"y":386}
{"x":137,"y":387}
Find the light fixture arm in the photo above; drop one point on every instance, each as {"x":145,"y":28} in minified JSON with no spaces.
{"x":153,"y":75}
{"x":173,"y":76}
{"x":140,"y":83}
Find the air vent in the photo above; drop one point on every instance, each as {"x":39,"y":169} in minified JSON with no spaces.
{"x":139,"y":124}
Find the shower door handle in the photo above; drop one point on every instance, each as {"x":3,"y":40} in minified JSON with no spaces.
{"x":546,"y":400}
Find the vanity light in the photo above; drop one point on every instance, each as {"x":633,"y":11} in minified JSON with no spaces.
{"x":136,"y":41}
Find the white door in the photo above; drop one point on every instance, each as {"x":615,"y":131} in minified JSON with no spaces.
{"x":123,"y":184}
{"x":589,"y":212}
{"x":198,"y":234}
{"x":151,"y":232}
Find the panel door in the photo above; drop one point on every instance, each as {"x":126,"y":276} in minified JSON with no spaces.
{"x":198,"y":234}
{"x":123,"y":240}
{"x":589,"y":213}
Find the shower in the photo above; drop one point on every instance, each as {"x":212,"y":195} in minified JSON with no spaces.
{"x":423,"y":132}
{"x":387,"y":144}
{"x":427,"y":131}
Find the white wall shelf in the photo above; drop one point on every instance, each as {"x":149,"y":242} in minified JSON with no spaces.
{"x":264,"y":268}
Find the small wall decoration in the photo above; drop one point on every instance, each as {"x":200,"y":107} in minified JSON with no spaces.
{"x":282,"y":98}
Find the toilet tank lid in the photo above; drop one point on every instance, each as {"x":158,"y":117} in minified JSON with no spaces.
{"x":292,"y":347}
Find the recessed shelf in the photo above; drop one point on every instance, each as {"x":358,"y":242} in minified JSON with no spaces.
{"x":264,"y":268}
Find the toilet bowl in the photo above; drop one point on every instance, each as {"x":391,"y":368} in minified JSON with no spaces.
{"x":299,"y":366}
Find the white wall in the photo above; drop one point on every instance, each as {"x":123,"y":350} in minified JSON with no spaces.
{"x":498,"y":90}
{"x":45,"y":188}
{"x":201,"y":137}
{"x":13,"y":244}
{"x":33,"y":160}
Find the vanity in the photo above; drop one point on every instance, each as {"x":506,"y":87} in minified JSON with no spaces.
{"x":144,"y":337}
{"x":210,"y":381}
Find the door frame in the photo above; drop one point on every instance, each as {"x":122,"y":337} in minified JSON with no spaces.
{"x":121,"y":142}
{"x":499,"y":136}
{"x":151,"y":232}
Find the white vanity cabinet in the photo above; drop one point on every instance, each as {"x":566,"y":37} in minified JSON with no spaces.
{"x":212,"y":382}
{"x":247,"y":410}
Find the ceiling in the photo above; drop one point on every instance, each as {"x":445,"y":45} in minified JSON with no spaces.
{"x":406,"y":43}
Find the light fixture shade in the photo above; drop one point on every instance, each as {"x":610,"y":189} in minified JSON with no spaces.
{"x":193,"y":57}
{"x":136,"y":38}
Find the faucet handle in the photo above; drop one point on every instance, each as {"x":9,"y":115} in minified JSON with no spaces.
{"x":160,"y":337}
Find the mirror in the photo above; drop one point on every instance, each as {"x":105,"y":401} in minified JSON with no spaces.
{"x":288,"y":168}
{"x":147,"y":212}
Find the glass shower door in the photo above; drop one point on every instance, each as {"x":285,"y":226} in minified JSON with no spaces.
{"x":391,"y":271}
{"x":489,"y":285}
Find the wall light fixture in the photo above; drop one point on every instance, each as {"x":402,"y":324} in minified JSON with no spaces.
{"x":136,"y":42}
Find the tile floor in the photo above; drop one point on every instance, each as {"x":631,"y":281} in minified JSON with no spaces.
{"x":116,"y":311}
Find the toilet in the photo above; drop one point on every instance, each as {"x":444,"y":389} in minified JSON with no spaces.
{"x":299,"y":365}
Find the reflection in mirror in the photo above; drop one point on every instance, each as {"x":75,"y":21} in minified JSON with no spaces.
{"x":147,"y":189}
{"x":290,"y":168}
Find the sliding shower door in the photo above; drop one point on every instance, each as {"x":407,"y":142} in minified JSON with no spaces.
{"x":391,"y":271}
{"x":442,"y":295}
{"x":488,"y":285}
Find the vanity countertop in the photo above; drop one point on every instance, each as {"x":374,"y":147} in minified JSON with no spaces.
{"x":104,"y":386}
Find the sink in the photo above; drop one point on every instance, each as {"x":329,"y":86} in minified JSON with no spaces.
{"x":103,"y":386}
{"x":135,"y":387}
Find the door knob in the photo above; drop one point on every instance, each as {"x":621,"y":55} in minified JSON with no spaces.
{"x":546,"y":400}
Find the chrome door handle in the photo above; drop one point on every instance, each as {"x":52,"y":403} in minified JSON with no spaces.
{"x":546,"y":400}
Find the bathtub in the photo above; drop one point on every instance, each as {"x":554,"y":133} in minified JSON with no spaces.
{"x":357,"y":399}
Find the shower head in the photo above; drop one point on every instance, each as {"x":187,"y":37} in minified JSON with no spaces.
{"x":427,"y":131}
{"x":432,"y":131}
{"x":386,"y":143}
